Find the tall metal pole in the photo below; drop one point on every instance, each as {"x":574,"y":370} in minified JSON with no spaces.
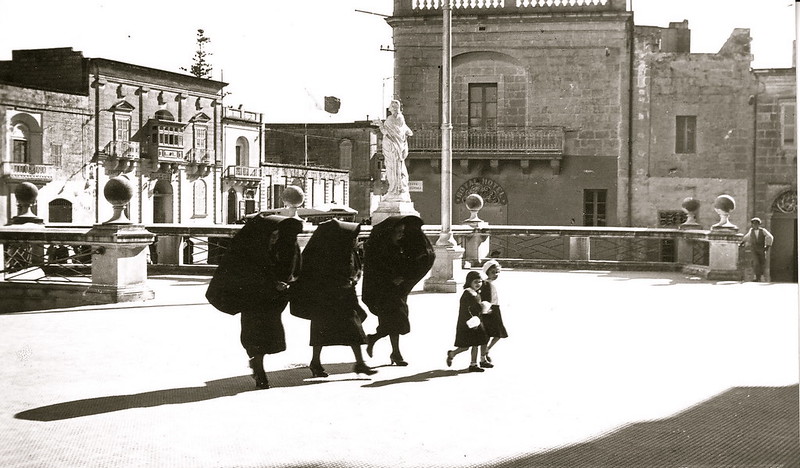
{"x":446,"y":236}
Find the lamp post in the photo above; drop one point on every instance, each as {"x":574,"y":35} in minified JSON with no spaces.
{"x":447,"y":252}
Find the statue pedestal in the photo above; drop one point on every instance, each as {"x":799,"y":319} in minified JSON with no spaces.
{"x":397,"y":205}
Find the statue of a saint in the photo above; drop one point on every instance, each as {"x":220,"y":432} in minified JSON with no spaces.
{"x":395,"y":150}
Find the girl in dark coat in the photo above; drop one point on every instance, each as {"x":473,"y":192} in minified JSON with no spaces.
{"x":397,"y":255}
{"x":253,"y":279}
{"x":466,"y":337}
{"x":493,"y":320}
{"x":326,"y":292}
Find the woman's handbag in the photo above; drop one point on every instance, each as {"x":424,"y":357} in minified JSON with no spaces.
{"x":474,"y":322}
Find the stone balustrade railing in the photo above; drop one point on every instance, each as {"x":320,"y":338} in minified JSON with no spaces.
{"x":117,"y":255}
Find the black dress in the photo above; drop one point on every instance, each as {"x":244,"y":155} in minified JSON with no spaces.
{"x":246,"y":279}
{"x":385,"y":261}
{"x":492,"y":322}
{"x":469,"y":305}
{"x":326,"y":291}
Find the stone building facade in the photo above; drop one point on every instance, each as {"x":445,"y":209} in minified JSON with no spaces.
{"x":160,"y":130}
{"x":44,"y":140}
{"x":565,"y":112}
{"x":539,"y":108}
{"x":775,"y":166}
{"x":693,"y":127}
{"x":71,"y":123}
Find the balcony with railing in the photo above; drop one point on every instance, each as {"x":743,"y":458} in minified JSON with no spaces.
{"x":200,"y":161}
{"x":125,"y":153}
{"x":545,"y":142}
{"x":245,"y":175}
{"x":504,"y":143}
{"x":24,"y":172}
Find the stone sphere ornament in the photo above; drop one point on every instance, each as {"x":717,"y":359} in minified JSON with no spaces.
{"x":474,"y":203}
{"x":690,"y":206}
{"x":293,"y":197}
{"x":119,"y":192}
{"x":26,"y":194}
{"x":723,"y":205}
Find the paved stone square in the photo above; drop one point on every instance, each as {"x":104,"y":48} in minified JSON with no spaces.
{"x":601,"y":369}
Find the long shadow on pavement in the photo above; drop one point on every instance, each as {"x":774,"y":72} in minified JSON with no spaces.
{"x":741,"y":427}
{"x":174,"y":396}
{"x":421,"y":377}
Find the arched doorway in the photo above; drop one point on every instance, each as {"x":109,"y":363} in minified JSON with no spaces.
{"x":162,"y":202}
{"x":783,"y":226}
{"x":233,"y":207}
{"x":60,"y":211}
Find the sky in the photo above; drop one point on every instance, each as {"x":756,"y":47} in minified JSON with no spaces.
{"x":281,"y":58}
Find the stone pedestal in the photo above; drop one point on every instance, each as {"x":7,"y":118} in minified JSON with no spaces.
{"x":448,"y":259}
{"x":393,"y":206}
{"x":476,"y":245}
{"x":119,"y":262}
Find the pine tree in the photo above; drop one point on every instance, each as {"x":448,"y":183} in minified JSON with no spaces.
{"x":200,"y":66}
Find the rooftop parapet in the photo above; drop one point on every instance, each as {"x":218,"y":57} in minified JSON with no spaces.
{"x":430,"y":7}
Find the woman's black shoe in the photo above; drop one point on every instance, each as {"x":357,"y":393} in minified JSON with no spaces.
{"x":362,"y":368}
{"x":317,"y":370}
{"x":474,"y":368}
{"x":261,"y":381}
{"x":371,"y":339}
{"x":397,"y":359}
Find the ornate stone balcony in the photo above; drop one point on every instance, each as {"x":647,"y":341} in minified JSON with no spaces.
{"x":23,"y":172}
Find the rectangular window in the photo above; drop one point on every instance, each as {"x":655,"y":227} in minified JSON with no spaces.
{"x":20,"y":151}
{"x":685,"y":131}
{"x":122,"y":127}
{"x":311,"y":194}
{"x":55,"y":155}
{"x":594,"y":207}
{"x":788,"y":123}
{"x":200,"y":134}
{"x":482,"y":115}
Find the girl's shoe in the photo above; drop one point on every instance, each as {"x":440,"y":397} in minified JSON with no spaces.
{"x":487,"y":358}
{"x":449,"y":358}
{"x":474,"y":368}
{"x":317,"y":370}
{"x":486,"y":364}
{"x":397,"y":359}
{"x":362,"y":368}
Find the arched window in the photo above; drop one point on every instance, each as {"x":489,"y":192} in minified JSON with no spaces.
{"x":242,"y":152}
{"x":345,"y":154}
{"x":60,"y":211}
{"x":199,"y":188}
{"x":20,"y":143}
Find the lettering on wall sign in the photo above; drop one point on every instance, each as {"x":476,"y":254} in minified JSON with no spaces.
{"x":488,"y":189}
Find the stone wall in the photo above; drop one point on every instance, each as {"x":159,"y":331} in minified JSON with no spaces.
{"x":716,"y":89}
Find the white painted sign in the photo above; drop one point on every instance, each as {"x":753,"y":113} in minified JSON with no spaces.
{"x":415,"y":186}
